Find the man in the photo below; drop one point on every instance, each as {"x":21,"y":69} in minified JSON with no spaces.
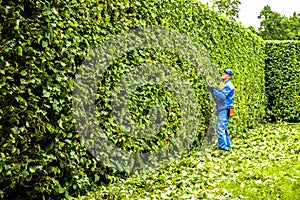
{"x":224,"y":97}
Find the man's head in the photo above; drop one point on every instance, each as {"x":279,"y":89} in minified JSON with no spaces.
{"x":227,"y":74}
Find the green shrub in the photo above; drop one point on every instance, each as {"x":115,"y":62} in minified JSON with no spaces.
{"x":282,"y":80}
{"x":43,"y":44}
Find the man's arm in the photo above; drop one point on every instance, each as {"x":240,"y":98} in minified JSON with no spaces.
{"x":222,"y":93}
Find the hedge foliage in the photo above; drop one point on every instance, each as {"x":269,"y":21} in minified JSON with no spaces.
{"x":43,"y":44}
{"x":283,"y":80}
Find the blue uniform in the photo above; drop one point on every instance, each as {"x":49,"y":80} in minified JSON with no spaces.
{"x":224,"y":99}
{"x":224,"y":96}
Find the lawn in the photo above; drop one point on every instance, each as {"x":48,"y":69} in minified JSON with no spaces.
{"x":263,"y":165}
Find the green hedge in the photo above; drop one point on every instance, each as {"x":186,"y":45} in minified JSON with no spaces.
{"x":283,"y":80}
{"x":43,"y":44}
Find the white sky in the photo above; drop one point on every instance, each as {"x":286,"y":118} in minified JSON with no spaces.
{"x":250,"y":9}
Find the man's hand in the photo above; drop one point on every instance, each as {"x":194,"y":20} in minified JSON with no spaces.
{"x":210,"y":88}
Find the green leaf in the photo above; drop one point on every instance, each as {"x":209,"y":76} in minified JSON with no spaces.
{"x":44,"y":44}
{"x":25,"y":173}
{"x":19,"y":51}
{"x":46,"y":93}
{"x":24,"y":73}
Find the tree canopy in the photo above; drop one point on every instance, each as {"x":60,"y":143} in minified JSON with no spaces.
{"x":274,"y":26}
{"x":230,"y":8}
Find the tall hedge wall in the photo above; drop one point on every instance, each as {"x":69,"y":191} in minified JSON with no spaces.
{"x":283,"y":80}
{"x":43,"y":44}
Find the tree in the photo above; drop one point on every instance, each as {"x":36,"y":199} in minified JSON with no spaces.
{"x":293,"y":27}
{"x":230,"y":8}
{"x":274,"y":26}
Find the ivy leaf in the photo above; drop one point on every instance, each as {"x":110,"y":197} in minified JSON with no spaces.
{"x":19,"y":51}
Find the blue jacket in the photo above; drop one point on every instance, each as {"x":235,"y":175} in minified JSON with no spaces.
{"x":224,"y":97}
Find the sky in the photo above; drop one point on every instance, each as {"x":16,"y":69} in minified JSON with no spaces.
{"x":250,"y":9}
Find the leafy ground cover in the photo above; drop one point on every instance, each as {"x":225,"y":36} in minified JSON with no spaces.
{"x":263,"y":165}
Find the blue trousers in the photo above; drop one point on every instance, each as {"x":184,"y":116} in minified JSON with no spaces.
{"x":222,"y":130}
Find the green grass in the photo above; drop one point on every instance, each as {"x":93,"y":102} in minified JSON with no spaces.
{"x":263,"y":165}
{"x":280,"y":181}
